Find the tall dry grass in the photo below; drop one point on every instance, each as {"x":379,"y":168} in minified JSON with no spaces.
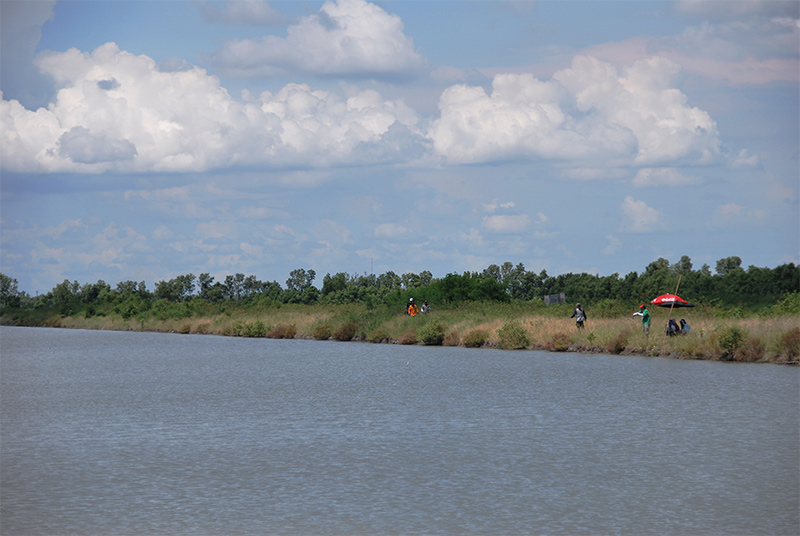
{"x":765,"y":339}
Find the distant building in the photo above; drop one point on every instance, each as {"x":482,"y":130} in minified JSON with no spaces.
{"x":550,"y":299}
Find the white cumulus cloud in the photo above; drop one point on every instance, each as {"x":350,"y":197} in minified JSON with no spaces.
{"x":587,"y":111}
{"x":391,"y":230}
{"x":250,"y":249}
{"x":749,"y":42}
{"x":347,"y":37}
{"x":506,"y":223}
{"x":649,"y":177}
{"x":614,"y":245}
{"x":494,"y":205}
{"x":733,"y":214}
{"x":117,"y":111}
{"x":80,"y":145}
{"x":640,"y":218}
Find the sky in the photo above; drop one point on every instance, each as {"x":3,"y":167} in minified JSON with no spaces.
{"x":142,"y":140}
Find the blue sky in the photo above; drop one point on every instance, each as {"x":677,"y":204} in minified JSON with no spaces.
{"x":140,"y":140}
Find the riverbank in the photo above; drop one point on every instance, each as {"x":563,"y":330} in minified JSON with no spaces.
{"x":756,"y":339}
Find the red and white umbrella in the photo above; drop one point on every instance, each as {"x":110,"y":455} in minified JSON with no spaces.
{"x":670,"y":300}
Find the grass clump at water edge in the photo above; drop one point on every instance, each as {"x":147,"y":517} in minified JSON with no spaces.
{"x":346,"y":332}
{"x":512,"y":336}
{"x":432,"y":334}
{"x":476,"y":338}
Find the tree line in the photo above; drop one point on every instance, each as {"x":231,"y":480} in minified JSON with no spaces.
{"x":731,"y":284}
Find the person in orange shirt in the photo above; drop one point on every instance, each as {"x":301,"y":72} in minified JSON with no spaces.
{"x":411,"y":308}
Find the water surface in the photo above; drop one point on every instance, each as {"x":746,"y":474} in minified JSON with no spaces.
{"x":143,"y":433}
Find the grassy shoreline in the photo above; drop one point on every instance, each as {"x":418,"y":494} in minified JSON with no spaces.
{"x":755,"y":339}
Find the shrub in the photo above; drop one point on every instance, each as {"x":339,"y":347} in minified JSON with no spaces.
{"x":789,"y":343}
{"x":322,"y":332}
{"x":788,"y":305}
{"x":126,"y":311}
{"x":559,"y":342}
{"x":476,"y":338}
{"x":705,"y":348}
{"x":237,"y":328}
{"x":184,"y":329}
{"x":282,"y":331}
{"x":512,"y":336}
{"x":247,"y":329}
{"x":730,"y":341}
{"x":346,"y":331}
{"x":378,"y":335}
{"x":409,"y":337}
{"x":254,"y":329}
{"x":618,"y":344}
{"x":753,"y":349}
{"x":451,"y":339}
{"x":432,"y":334}
{"x":204,"y":327}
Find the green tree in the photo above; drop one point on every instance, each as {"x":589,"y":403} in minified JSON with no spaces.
{"x":126,"y":287}
{"x":299,"y":287}
{"x":271,"y":290}
{"x":177,"y":289}
{"x":683,"y":266}
{"x":132,"y":287}
{"x":389,"y":281}
{"x":527,"y":287}
{"x":234,"y":287}
{"x":9,"y":292}
{"x":787,"y":278}
{"x":454,"y":288}
{"x":336,"y":283}
{"x":728,"y":265}
{"x":300,"y":279}
{"x":411,"y":281}
{"x":95,"y":293}
{"x":66,"y":297}
{"x":205,"y":282}
{"x":252,"y":286}
{"x":425,"y":278}
{"x":655,"y":280}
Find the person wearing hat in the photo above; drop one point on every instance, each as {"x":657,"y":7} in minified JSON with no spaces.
{"x":579,"y":315}
{"x":645,"y":314}
{"x":425,"y":308}
{"x":411,"y":308}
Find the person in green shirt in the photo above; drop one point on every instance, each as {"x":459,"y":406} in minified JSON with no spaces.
{"x":645,"y":314}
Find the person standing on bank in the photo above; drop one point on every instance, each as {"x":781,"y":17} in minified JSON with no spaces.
{"x":579,"y":315}
{"x":645,"y":314}
{"x":411,"y":308}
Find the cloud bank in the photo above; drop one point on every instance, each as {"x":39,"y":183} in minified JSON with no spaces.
{"x":118,"y":112}
{"x":588,"y":111}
